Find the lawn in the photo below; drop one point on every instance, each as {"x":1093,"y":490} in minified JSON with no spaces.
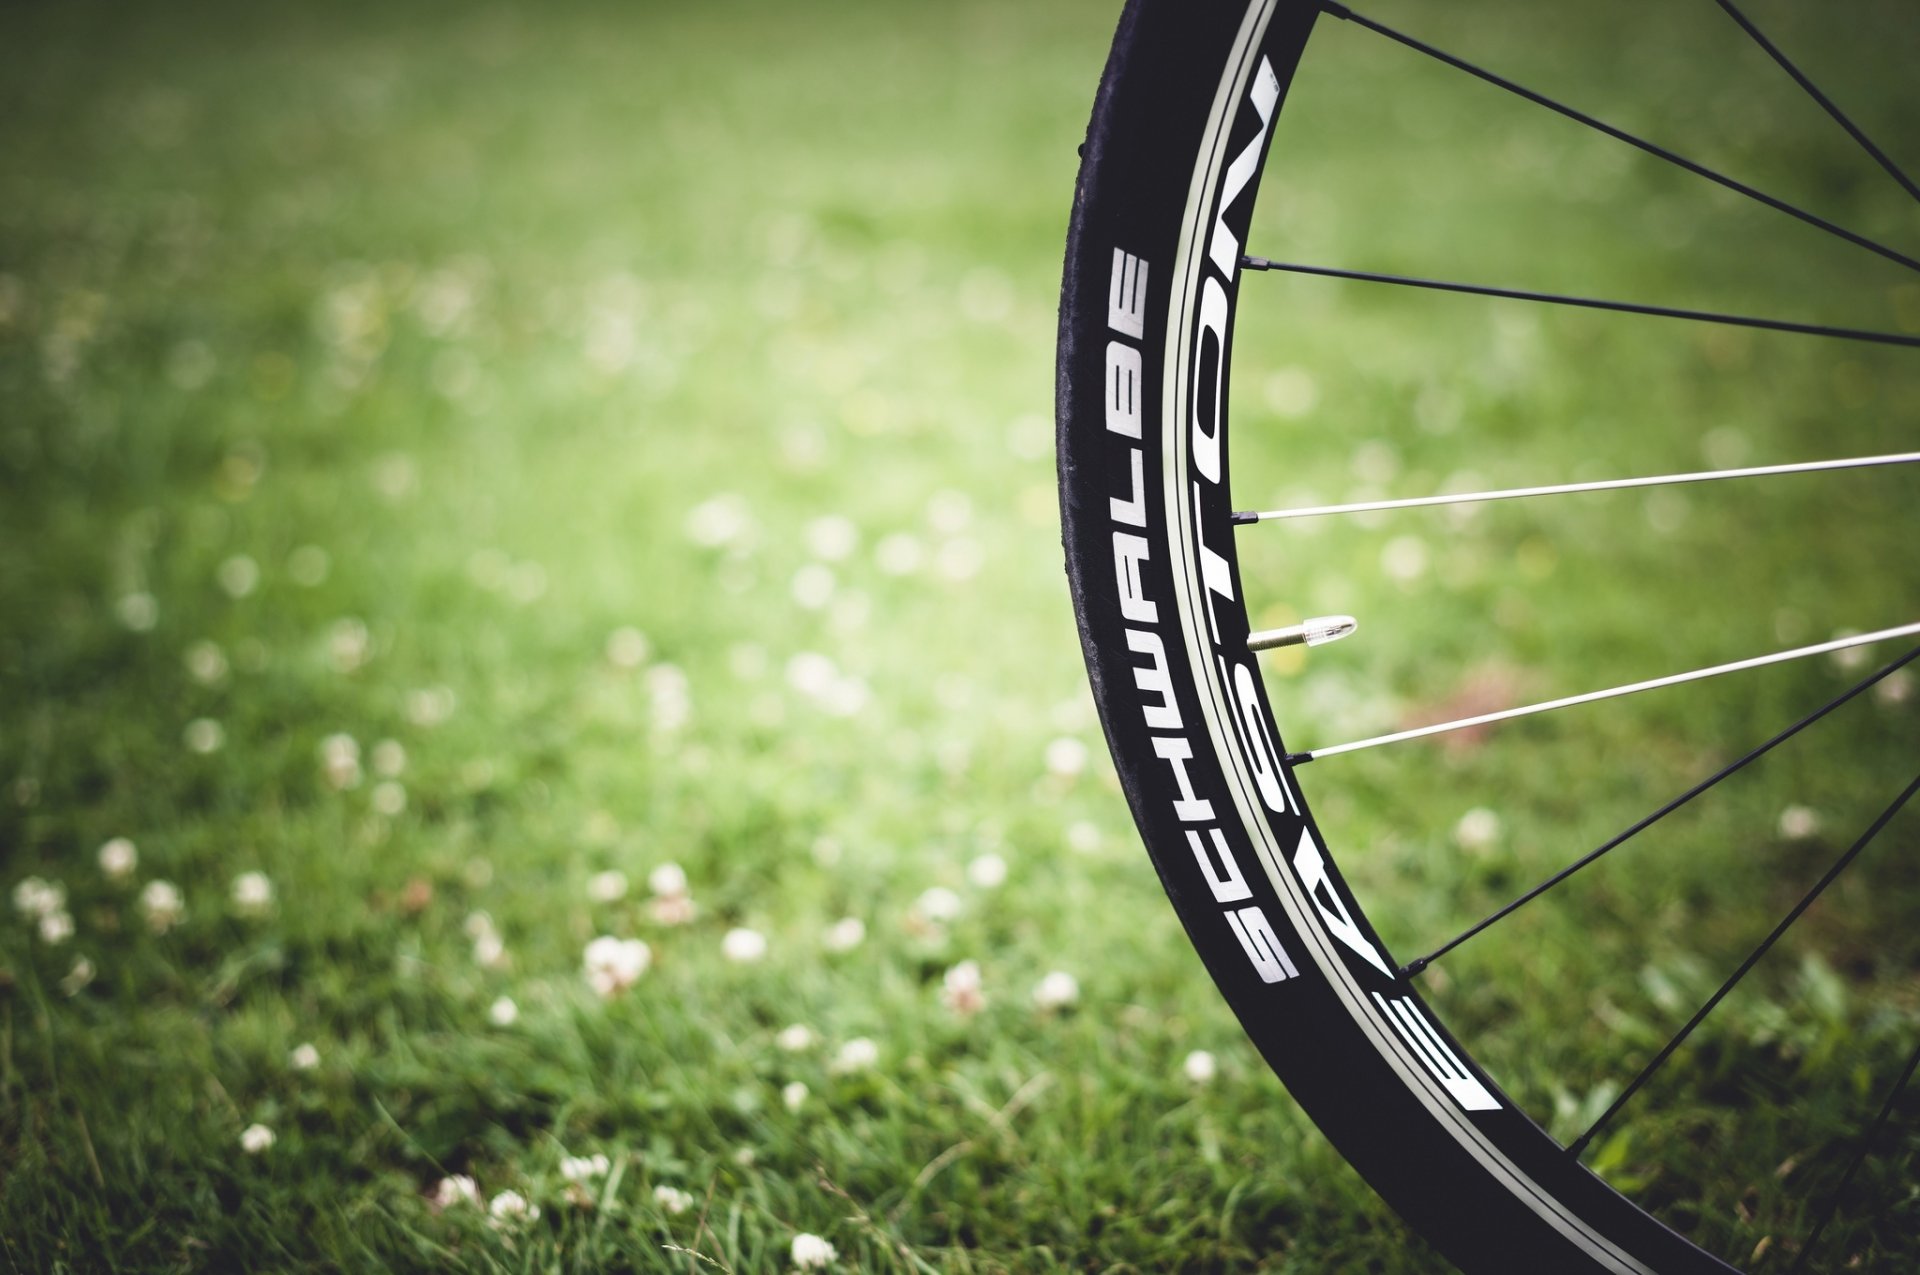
{"x":540,"y":720}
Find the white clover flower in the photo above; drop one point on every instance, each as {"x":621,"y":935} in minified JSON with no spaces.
{"x":252,"y":893}
{"x":845,"y":934}
{"x":1797,"y":823}
{"x":238,"y":576}
{"x":938,"y":904}
{"x":1200,"y":1067}
{"x":56,"y":928}
{"x":37,"y":898}
{"x":1083,"y":837}
{"x":256,"y":1138}
{"x":1478,"y":829}
{"x":669,"y":880}
{"x":389,"y":798}
{"x":163,"y":905}
{"x":584,"y":1168}
{"x":349,"y":645}
{"x":503,"y":1012}
{"x":1057,"y":990}
{"x":794,"y":1096}
{"x":670,"y":696}
{"x":304,"y":1057}
{"x":118,"y":858}
{"x":607,"y":887}
{"x":899,"y":554}
{"x":340,"y":761}
{"x":796,"y":1038}
{"x":489,"y":950}
{"x":988,"y":872}
{"x":858,"y":1054}
{"x":813,"y":586}
{"x":457,"y":1189}
{"x":613,"y":965}
{"x":671,"y":1199}
{"x":832,"y":537}
{"x":138,"y":611}
{"x":627,"y":648}
{"x":476,"y":924}
{"x":389,"y":758}
{"x":743,"y":945}
{"x":76,"y":979}
{"x":718,"y":521}
{"x":206,"y":663}
{"x":203,"y":735}
{"x":1066,"y":757}
{"x":672,"y":909}
{"x":430,"y":705}
{"x":811,"y":1253}
{"x":510,"y":1209}
{"x":961,"y":989}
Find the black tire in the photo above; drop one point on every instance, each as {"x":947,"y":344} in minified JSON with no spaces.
{"x":1167,"y":180}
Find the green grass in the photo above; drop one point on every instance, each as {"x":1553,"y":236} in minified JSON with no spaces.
{"x":466,"y":331}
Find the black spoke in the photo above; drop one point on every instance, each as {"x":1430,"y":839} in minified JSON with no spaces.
{"x":1414,"y":967}
{"x":1578,"y":1145}
{"x":1339,"y":10}
{"x":1859,"y":1156}
{"x":1826,"y":103}
{"x":1585,"y":303}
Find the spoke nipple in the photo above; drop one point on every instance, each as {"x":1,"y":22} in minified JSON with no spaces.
{"x":1240,"y":517}
{"x":1297,"y":759}
{"x":1314,"y":632}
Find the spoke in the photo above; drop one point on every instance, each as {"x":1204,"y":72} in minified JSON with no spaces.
{"x":1563,"y":489}
{"x":1587,"y":303}
{"x":1613,"y":692}
{"x":1414,"y":967}
{"x":1859,"y":1155}
{"x":1579,"y":1144}
{"x":1339,"y":10}
{"x":1826,"y":103}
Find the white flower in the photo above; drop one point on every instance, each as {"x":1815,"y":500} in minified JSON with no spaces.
{"x":846,"y":934}
{"x":810,"y":1252}
{"x":1083,"y":837}
{"x":389,"y":798}
{"x":832,"y":537}
{"x":252,"y":893}
{"x":607,"y":887}
{"x":203,"y":735}
{"x":672,"y":909}
{"x":718,"y":521}
{"x":794,"y":1095}
{"x":138,"y":611}
{"x":1200,"y":1067}
{"x":627,"y":648}
{"x":961,"y":989}
{"x":510,"y":1208}
{"x":476,"y":924}
{"x":1057,"y":990}
{"x":989,"y":871}
{"x":349,"y":645}
{"x":205,"y":662}
{"x":163,"y":905}
{"x":238,"y":575}
{"x":613,"y":965}
{"x":672,"y":1199}
{"x":813,"y":586}
{"x":118,"y":859}
{"x":1478,"y":829}
{"x":858,"y":1054}
{"x":1797,"y":823}
{"x":489,"y":950}
{"x":899,"y":554}
{"x":669,"y":881}
{"x":583,"y":1168}
{"x":303,"y":1058}
{"x":340,"y":761}
{"x":78,"y":977}
{"x":1066,"y":757}
{"x":743,"y":945}
{"x":389,"y":758}
{"x":255,"y":1138}
{"x":938,"y":904}
{"x":458,"y":1189}
{"x":37,"y":898}
{"x":56,"y":928}
{"x":796,"y":1038}
{"x":503,"y":1012}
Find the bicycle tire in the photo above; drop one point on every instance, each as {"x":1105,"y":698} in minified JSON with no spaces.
{"x":1170,"y":168}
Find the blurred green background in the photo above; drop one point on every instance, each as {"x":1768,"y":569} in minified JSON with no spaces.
{"x":463,"y":463}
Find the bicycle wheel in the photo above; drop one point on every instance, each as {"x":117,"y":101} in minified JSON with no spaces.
{"x":1172,"y":161}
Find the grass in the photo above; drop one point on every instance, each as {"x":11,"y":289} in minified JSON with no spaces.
{"x":451,"y":454}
